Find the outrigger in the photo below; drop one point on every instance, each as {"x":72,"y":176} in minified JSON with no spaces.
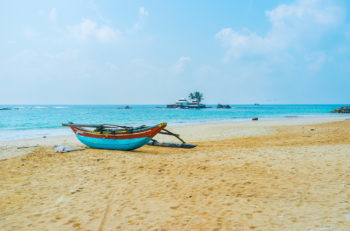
{"x":116,"y":137}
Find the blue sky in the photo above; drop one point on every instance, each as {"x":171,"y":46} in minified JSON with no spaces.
{"x":154,"y":52}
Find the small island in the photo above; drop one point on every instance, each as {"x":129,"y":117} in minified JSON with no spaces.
{"x":194,"y":103}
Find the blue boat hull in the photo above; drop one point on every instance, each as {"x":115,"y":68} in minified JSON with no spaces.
{"x":114,"y":144}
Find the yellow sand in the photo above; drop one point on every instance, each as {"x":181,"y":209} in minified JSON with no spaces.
{"x":264,"y":177}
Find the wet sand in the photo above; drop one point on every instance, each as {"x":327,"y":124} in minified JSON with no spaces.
{"x":263,"y":175}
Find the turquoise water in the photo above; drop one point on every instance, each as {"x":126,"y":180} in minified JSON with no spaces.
{"x":29,"y":121}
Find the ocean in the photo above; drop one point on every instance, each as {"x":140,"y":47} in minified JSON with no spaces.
{"x":31,"y":121}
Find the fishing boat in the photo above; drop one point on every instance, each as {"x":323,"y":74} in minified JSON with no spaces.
{"x":108,"y":136}
{"x":116,"y":137}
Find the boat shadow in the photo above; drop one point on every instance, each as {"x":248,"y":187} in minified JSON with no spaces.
{"x":151,"y":150}
{"x":145,"y":150}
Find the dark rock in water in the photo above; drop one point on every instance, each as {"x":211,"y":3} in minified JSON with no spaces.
{"x":342,"y":110}
{"x":126,"y":107}
{"x":223,"y":106}
{"x":255,"y":118}
{"x":5,"y":108}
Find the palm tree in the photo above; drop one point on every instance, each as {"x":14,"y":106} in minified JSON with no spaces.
{"x":196,"y":95}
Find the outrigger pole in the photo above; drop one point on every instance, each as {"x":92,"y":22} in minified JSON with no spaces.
{"x":164,"y":131}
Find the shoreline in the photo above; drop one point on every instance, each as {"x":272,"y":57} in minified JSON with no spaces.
{"x":190,"y":132}
{"x":194,"y":123}
{"x":8,"y":134}
{"x":35,"y":123}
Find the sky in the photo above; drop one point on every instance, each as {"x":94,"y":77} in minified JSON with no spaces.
{"x":155,"y":52}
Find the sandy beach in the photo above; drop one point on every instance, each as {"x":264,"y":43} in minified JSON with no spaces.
{"x":287,"y":174}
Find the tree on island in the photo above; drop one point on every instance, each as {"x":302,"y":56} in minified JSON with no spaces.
{"x":196,"y":95}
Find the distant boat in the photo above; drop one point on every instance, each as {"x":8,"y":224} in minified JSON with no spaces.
{"x":107,"y":136}
{"x":182,"y":101}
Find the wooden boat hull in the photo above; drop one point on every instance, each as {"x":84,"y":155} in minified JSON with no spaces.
{"x":119,"y":141}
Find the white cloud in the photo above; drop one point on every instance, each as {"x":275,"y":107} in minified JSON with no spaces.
{"x":106,"y":33}
{"x":53,"y":14}
{"x":246,"y":43}
{"x":315,"y":61}
{"x":29,"y":33}
{"x":112,"y":66}
{"x":67,"y":54}
{"x":88,"y":30}
{"x":143,"y":66}
{"x":143,"y":14}
{"x":180,"y":64}
{"x":41,"y":12}
{"x":292,"y":25}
